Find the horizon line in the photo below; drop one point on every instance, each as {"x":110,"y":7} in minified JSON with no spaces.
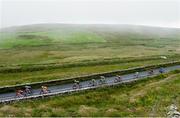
{"x":70,"y":23}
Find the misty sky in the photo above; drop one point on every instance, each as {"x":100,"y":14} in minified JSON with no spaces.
{"x":165,"y":13}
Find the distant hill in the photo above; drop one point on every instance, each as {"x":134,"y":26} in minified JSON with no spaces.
{"x":42,"y":34}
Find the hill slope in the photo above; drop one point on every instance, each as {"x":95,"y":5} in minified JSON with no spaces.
{"x":46,"y":34}
{"x":76,"y":50}
{"x":45,"y":43}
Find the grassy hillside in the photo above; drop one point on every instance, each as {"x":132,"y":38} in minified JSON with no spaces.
{"x":82,"y":49}
{"x":64,"y":43}
{"x":149,"y":97}
{"x":64,"y":51}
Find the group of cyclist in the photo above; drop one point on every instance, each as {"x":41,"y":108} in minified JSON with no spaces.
{"x":101,"y":81}
{"x":117,"y":79}
{"x":27,"y":90}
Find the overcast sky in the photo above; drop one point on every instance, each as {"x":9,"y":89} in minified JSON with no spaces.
{"x":164,"y":13}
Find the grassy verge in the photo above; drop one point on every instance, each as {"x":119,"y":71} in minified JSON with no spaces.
{"x":148,"y":97}
{"x":99,"y":62}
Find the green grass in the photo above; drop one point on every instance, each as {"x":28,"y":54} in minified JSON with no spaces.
{"x":149,"y":97}
{"x":71,"y":71}
{"x":81,"y":49}
{"x":86,"y":49}
{"x":66,"y":43}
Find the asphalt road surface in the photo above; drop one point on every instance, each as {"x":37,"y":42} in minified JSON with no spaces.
{"x":60,"y":89}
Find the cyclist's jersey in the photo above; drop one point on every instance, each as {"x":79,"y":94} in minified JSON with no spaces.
{"x":102,"y":77}
{"x":151,"y":71}
{"x":44,"y":87}
{"x":19,"y":91}
{"x":161,"y":69}
{"x":75,"y":81}
{"x":28,"y":87}
{"x":137,"y":73}
{"x":102,"y":80}
{"x":93,"y":80}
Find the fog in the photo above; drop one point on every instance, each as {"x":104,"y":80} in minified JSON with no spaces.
{"x":163,"y":13}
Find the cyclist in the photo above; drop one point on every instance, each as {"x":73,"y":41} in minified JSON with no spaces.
{"x":151,"y":72}
{"x":28,"y":90}
{"x":19,"y":93}
{"x":136,"y":75}
{"x":118,"y":78}
{"x":92,"y":82}
{"x":76,"y":84}
{"x":161,"y":70}
{"x":102,"y":80}
{"x":44,"y":90}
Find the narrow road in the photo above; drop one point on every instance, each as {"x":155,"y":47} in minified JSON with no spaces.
{"x":60,"y":89}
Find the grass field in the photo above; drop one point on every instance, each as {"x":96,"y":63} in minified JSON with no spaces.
{"x":66,"y":43}
{"x":81,"y":49}
{"x":149,"y":97}
{"x":58,"y":51}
